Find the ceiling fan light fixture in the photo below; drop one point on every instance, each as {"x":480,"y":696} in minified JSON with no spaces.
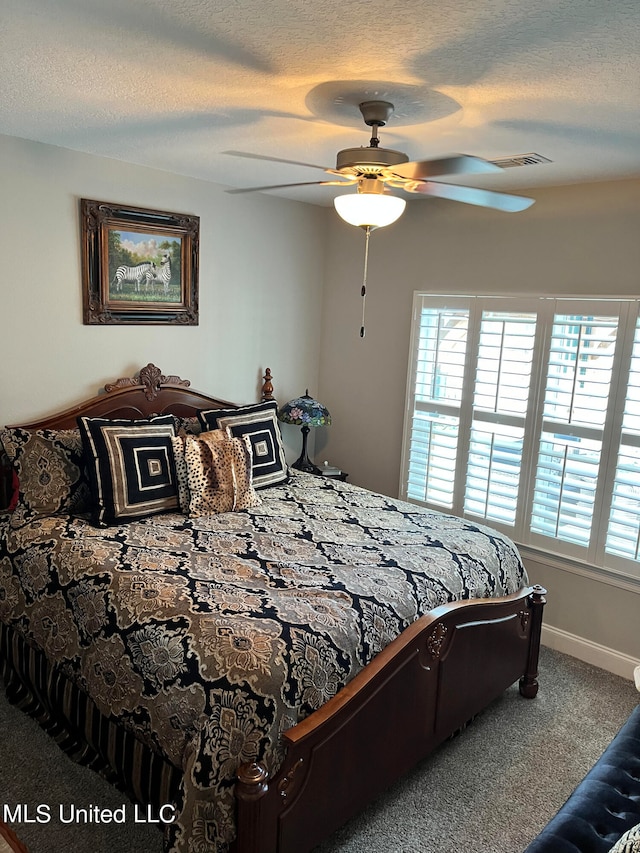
{"x":369,"y":209}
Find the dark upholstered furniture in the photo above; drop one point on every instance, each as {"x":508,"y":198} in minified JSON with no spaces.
{"x":604,"y":805}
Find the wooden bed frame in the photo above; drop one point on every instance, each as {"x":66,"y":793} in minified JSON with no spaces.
{"x":427,"y":684}
{"x":9,"y":840}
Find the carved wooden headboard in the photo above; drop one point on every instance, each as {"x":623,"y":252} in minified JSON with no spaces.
{"x":149,"y":392}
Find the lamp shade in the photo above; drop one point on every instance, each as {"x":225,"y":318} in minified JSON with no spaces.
{"x":304,"y":411}
{"x":374,"y":210}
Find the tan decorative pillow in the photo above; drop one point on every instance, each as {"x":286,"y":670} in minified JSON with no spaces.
{"x":219,"y":473}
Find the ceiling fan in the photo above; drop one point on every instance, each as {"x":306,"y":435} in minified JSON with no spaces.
{"x":374,"y":170}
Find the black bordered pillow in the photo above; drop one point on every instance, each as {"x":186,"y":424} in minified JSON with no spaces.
{"x":49,"y":468}
{"x":260,"y":423}
{"x":131,"y":467}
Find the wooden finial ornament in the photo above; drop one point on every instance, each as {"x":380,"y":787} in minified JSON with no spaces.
{"x":151,"y":378}
{"x":267,"y":387}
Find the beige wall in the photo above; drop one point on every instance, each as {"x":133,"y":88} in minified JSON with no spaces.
{"x":574,"y":240}
{"x":261,"y":280}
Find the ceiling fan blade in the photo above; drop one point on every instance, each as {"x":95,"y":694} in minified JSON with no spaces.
{"x":299,"y":184}
{"x":457,"y":164}
{"x":472,"y":195}
{"x":274,"y":159}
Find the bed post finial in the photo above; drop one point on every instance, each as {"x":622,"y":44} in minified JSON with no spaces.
{"x":267,"y":387}
{"x":251,"y":787}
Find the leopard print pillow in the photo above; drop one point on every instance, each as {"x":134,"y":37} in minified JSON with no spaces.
{"x":219,"y":472}
{"x":182,"y":473}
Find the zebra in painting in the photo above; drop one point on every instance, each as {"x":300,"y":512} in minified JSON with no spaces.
{"x":133,"y":274}
{"x":162,"y":276}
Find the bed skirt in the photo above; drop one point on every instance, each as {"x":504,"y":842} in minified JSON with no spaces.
{"x":71,"y":718}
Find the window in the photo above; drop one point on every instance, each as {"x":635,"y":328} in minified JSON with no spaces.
{"x":525,"y":413}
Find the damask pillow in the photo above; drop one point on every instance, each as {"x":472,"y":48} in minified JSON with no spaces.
{"x":131,"y":467}
{"x":629,"y":842}
{"x":260,"y":423}
{"x":49,"y":466}
{"x":219,"y":473}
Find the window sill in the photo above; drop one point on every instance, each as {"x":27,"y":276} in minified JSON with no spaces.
{"x":612,"y":577}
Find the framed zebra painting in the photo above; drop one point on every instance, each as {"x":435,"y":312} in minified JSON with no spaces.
{"x":138,"y":265}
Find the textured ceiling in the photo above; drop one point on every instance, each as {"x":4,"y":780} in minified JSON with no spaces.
{"x":175,"y":84}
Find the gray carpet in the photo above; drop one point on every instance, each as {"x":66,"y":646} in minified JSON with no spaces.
{"x":489,"y":790}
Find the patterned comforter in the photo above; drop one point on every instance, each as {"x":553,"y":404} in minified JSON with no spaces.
{"x":208,"y":637}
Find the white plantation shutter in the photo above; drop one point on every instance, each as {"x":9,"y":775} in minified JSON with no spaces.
{"x":623,"y":534}
{"x":578,"y":383}
{"x":500,"y":401}
{"x":526,"y":413}
{"x":434,"y":447}
{"x":565,"y":487}
{"x":436,"y":398}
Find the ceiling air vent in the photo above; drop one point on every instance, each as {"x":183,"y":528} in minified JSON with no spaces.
{"x":521,"y":160}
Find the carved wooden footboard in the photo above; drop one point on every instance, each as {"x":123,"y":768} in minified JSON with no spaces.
{"x":444,"y":669}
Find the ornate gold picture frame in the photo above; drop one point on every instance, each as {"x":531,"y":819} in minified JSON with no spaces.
{"x":139,"y":266}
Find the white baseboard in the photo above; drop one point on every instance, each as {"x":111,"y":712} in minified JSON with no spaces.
{"x":585,"y":650}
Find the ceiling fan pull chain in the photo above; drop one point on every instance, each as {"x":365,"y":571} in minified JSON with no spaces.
{"x":363,"y":291}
